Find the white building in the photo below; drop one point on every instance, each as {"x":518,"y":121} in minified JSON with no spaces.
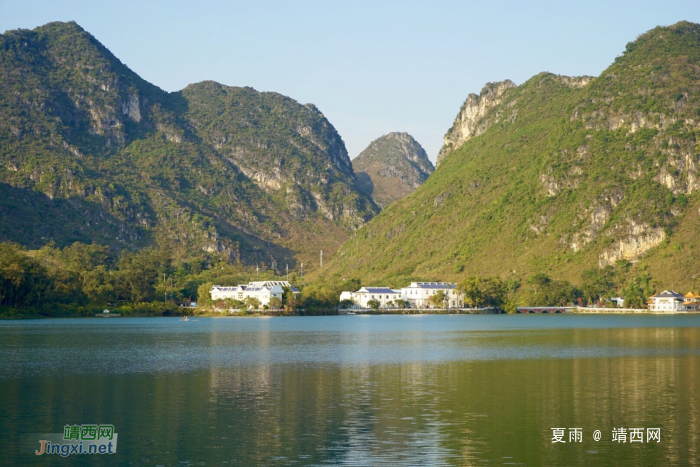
{"x":618,"y":301}
{"x":263,"y":291}
{"x":418,"y":294}
{"x":361,"y":298}
{"x":692,"y":301}
{"x":668,"y":300}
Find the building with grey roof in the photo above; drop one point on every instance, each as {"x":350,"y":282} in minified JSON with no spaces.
{"x":263,"y":291}
{"x":417,"y":294}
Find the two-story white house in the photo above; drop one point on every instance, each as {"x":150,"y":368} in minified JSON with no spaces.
{"x":668,"y":300}
{"x":384,"y":295}
{"x":418,"y":294}
{"x":262,"y":290}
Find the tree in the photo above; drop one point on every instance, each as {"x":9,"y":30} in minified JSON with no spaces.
{"x":438,"y":299}
{"x":319,"y":297}
{"x":597,"y":283}
{"x":252,"y":302}
{"x":638,"y":290}
{"x":347,"y":303}
{"x":98,"y":285}
{"x":23,"y":281}
{"x":374,"y":304}
{"x":634,"y":295}
{"x":142,"y":271}
{"x":275,"y":302}
{"x":289,"y":300}
{"x":547,"y":292}
{"x":401,"y":303}
{"x":483,"y":291}
{"x":539,"y":282}
{"x":203,"y":295}
{"x":235,"y":304}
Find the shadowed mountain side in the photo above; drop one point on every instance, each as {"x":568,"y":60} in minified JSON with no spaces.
{"x":392,"y":167}
{"x":364,"y":183}
{"x":33,"y":219}
{"x":243,"y":175}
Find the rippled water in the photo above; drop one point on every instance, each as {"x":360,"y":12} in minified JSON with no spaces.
{"x":356,"y":390}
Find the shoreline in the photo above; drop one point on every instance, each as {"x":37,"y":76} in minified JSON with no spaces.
{"x":298,"y":315}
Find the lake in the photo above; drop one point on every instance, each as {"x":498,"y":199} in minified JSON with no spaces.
{"x":356,"y":390}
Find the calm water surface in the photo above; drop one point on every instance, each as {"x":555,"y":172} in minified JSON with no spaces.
{"x":356,"y":390}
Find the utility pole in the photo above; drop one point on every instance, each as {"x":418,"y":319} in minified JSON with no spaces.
{"x":302,"y":269}
{"x":287,"y":266}
{"x":321,"y":258}
{"x":257,"y":271}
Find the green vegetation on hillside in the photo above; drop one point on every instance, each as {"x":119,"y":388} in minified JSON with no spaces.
{"x":570,"y":176}
{"x":83,"y":279}
{"x":91,"y":152}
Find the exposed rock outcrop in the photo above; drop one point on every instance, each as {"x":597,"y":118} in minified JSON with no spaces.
{"x":636,"y":240}
{"x":228,"y":170}
{"x":471,"y":120}
{"x":391,"y":168}
{"x":569,"y":174}
{"x":575,"y":81}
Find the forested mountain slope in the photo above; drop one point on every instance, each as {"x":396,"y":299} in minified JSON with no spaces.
{"x":91,"y":152}
{"x":391,"y":167}
{"x":559,"y":175}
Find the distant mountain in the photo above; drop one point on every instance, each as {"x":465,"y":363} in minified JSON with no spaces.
{"x":559,"y":175}
{"x":391,"y":168}
{"x":90,"y":151}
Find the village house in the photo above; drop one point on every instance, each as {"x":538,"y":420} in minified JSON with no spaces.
{"x":263,"y":291}
{"x":418,"y":294}
{"x":668,"y":300}
{"x":692,"y":302}
{"x":384,"y":295}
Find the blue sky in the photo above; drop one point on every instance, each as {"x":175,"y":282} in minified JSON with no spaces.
{"x":370,"y":67}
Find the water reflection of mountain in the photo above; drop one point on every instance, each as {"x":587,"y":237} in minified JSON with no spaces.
{"x":467,"y":412}
{"x":257,"y":394}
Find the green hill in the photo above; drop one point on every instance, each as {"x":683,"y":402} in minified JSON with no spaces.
{"x":557,"y":176}
{"x":91,"y":152}
{"x":391,"y":167}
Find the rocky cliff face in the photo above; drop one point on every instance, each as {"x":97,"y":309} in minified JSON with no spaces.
{"x":560,"y":175}
{"x":471,"y":119}
{"x":251,"y":176}
{"x":391,"y":167}
{"x":302,"y":158}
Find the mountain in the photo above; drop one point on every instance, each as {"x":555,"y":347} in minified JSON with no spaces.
{"x":391,"y":168}
{"x":89,"y":151}
{"x":558,"y":175}
{"x":470,"y":120}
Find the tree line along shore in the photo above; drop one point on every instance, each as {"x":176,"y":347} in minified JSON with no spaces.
{"x":82,"y":279}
